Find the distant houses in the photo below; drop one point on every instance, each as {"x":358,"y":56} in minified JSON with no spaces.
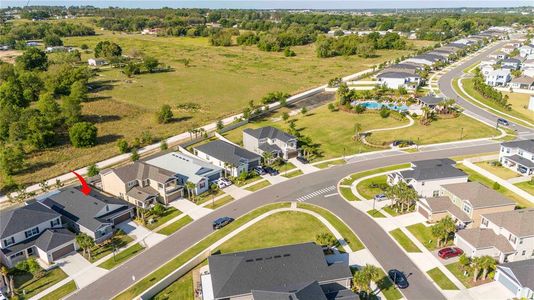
{"x":518,"y":156}
{"x":97,"y":62}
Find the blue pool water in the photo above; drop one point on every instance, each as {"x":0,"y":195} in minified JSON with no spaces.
{"x":376,"y":105}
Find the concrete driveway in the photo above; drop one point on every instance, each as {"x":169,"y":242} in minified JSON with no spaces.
{"x":80,"y":269}
{"x":141,"y":234}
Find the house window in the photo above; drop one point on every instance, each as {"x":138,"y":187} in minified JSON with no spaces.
{"x":17,"y":255}
{"x":31,"y":232}
{"x":435,"y":193}
{"x":160,"y":185}
{"x":467,"y":208}
{"x":485,"y":222}
{"x":524,"y":252}
{"x":512,"y":239}
{"x":54,"y":223}
{"x":520,"y":241}
{"x":423,"y":183}
{"x":9,"y":241}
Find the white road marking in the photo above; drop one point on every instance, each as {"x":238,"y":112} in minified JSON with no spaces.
{"x":330,"y":195}
{"x":317,"y":193}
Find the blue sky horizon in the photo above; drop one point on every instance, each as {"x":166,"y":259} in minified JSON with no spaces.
{"x":279,"y":4}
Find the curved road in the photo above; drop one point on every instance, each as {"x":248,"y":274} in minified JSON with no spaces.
{"x":370,"y":233}
{"x":446,"y":88}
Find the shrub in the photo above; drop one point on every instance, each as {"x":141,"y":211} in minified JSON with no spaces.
{"x":384,"y":112}
{"x":165,"y":114}
{"x":496,"y":186}
{"x":83,"y":134}
{"x":331,"y":107}
{"x":92,"y":170}
{"x":134,"y":154}
{"x":289,"y":53}
{"x":123,"y":146}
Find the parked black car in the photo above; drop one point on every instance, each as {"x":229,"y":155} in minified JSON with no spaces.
{"x":398,"y":278}
{"x":302,"y":159}
{"x":260,"y":170}
{"x":271,"y":171}
{"x":221,"y":222}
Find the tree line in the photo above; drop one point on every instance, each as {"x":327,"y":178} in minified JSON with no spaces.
{"x":489,"y":92}
{"x":363,"y":46}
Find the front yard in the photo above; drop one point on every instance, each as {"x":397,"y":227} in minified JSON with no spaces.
{"x":62,"y":291}
{"x":28,"y":286}
{"x":169,"y":214}
{"x":122,"y":256}
{"x":497,"y":170}
{"x":220,"y":202}
{"x":441,"y":279}
{"x":175,"y":226}
{"x":424,"y":235}
{"x":258,"y":186}
{"x":527,"y":186}
{"x":119,"y":240}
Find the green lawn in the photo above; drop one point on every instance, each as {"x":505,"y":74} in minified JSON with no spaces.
{"x":169,"y":214}
{"x":441,"y":279}
{"x":258,"y":186}
{"x":390,"y":291}
{"x":167,"y":268}
{"x":355,"y":176}
{"x":175,"y":226}
{"x":462,"y":157}
{"x":347,"y":193}
{"x":424,"y":235}
{"x":293,"y":174}
{"x":370,"y":187}
{"x":282,"y":228}
{"x":375,"y":213}
{"x":442,"y":130}
{"x":207,"y":196}
{"x":62,"y":291}
{"x":122,"y":256}
{"x":527,"y":186}
{"x":285,"y":166}
{"x":118,"y":240}
{"x":328,"y":164}
{"x":180,"y":289}
{"x":348,"y":235}
{"x":404,"y":241}
{"x":24,"y":281}
{"x":248,"y":180}
{"x":456,"y":269}
{"x":501,"y":171}
{"x":474,"y":176}
{"x":390,"y":211}
{"x":224,"y":200}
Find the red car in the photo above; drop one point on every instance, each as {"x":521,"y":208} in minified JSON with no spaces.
{"x":450,"y":252}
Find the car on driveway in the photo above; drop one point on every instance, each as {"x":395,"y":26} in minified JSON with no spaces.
{"x":398,"y":278}
{"x":271,"y":171}
{"x":223,"y":182}
{"x":221,"y":222}
{"x":450,"y":252}
{"x":260,"y":170}
{"x":381,"y":197}
{"x":503,"y":122}
{"x":302,"y":159}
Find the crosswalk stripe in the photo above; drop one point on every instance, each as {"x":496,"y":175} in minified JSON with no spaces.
{"x":316,"y":193}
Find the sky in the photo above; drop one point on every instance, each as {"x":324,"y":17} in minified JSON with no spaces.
{"x":262,"y":4}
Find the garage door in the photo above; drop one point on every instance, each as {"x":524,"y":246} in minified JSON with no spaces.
{"x":62,"y":252}
{"x":509,"y":284}
{"x":121,"y":218}
{"x":423,"y":212}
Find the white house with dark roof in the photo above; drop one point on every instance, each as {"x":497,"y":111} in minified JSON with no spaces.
{"x":33,"y":230}
{"x":298,"y":272}
{"x":234,"y":159}
{"x":270,"y":139}
{"x":499,"y":77}
{"x":431,"y":101}
{"x":507,"y":236}
{"x":394,"y":80}
{"x":526,"y":50}
{"x":518,"y":156}
{"x":427,"y":176}
{"x":511,"y":64}
{"x":187,"y":168}
{"x":517,"y":277}
{"x":95,"y":214}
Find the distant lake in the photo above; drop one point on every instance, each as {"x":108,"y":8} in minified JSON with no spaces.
{"x":277,"y":4}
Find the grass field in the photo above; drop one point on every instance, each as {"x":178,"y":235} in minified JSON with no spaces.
{"x":180,"y":289}
{"x":62,"y":291}
{"x":404,"y":241}
{"x":33,"y":286}
{"x":220,"y":202}
{"x":424,"y":235}
{"x":441,"y":279}
{"x":258,"y":186}
{"x":370,"y":187}
{"x":527,"y":186}
{"x":220,"y":79}
{"x":122,"y":256}
{"x":172,"y":228}
{"x":501,"y":171}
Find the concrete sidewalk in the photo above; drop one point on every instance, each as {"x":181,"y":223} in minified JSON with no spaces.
{"x":305,"y":168}
{"x":189,"y":208}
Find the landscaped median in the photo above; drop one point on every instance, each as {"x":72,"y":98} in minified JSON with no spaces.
{"x":175,"y":226}
{"x":404,"y":240}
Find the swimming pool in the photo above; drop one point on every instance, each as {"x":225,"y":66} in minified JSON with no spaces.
{"x":377,"y":105}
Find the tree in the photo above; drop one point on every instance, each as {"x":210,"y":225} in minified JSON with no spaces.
{"x":285,"y":116}
{"x":86,"y":243}
{"x":267,"y":157}
{"x":123,"y":146}
{"x":476,"y":265}
{"x":32,"y":59}
{"x":43,"y":186}
{"x":220,"y":125}
{"x":12,"y":94}
{"x":163,"y":145}
{"x":49,"y":109}
{"x":72,"y":109}
{"x":158,"y":209}
{"x":304,"y":110}
{"x":362,"y":279}
{"x":496,"y":186}
{"x":92,"y":170}
{"x":31,"y":85}
{"x":51,"y":40}
{"x":487,"y":263}
{"x":150,"y":63}
{"x":134,"y":156}
{"x":78,"y":90}
{"x":289,"y":53}
{"x":165,"y":114}
{"x":83,"y":134}
{"x":331,"y":107}
{"x":4,"y":272}
{"x":84,"y":47}
{"x":190,"y":186}
{"x":326,"y":239}
{"x":31,"y":266}
{"x":131,"y":69}
{"x":402,"y":195}
{"x":107,"y":49}
{"x":11,"y":159}
{"x":343,"y":94}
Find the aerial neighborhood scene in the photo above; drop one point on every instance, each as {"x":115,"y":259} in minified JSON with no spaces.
{"x":266,"y":150}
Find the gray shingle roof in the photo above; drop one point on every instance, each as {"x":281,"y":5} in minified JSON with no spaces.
{"x":523,"y":271}
{"x":271,"y":269}
{"x":521,"y":160}
{"x":429,"y":57}
{"x":141,"y":171}
{"x":431,"y":100}
{"x":444,"y":204}
{"x":270,"y":133}
{"x":53,"y":238}
{"x":82,"y":209}
{"x":432,"y":169}
{"x":310,"y":291}
{"x":482,"y":238}
{"x":527,"y":145}
{"x":477,"y":194}
{"x":187,"y":167}
{"x":397,"y":75}
{"x":142,"y":193}
{"x":520,"y":222}
{"x":227,"y":152}
{"x":20,"y":219}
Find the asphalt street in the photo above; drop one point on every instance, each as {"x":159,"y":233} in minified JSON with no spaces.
{"x":375,"y":239}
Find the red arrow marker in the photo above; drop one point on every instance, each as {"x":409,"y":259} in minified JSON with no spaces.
{"x":85,"y":187}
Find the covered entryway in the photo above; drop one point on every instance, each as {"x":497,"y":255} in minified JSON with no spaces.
{"x":122,"y":218}
{"x":62,"y":252}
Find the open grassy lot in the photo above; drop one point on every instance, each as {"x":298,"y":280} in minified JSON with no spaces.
{"x":527,"y":186}
{"x":33,"y":286}
{"x":276,"y":230}
{"x":335,"y":139}
{"x":167,"y":268}
{"x":369,"y":187}
{"x":404,"y":241}
{"x":169,"y":214}
{"x":474,"y":176}
{"x":258,"y":186}
{"x":220,"y":202}
{"x":424,"y":235}
{"x":347,"y":234}
{"x":122,"y":256}
{"x":442,"y":130}
{"x":441,"y":279}
{"x":62,"y":291}
{"x":175,"y":226}
{"x":499,"y":171}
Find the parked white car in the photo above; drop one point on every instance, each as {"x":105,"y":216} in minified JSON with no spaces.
{"x":223,"y":182}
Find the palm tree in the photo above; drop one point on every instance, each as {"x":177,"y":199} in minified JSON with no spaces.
{"x":437,"y":232}
{"x":476,"y":265}
{"x":363,"y":278}
{"x":449,"y":227}
{"x":4,"y":271}
{"x":487,"y":263}
{"x":357,"y":130}
{"x":86,"y":243}
{"x":190,"y":190}
{"x":360,"y":283}
{"x":372,"y":273}
{"x":267,"y":157}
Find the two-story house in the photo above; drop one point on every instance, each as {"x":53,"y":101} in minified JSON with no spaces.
{"x":427,"y":59}
{"x":499,"y":77}
{"x":232,"y":158}
{"x":142,"y":184}
{"x":465,"y":203}
{"x":33,"y":230}
{"x":187,"y":168}
{"x":95,"y":214}
{"x":396,"y":79}
{"x":427,"y":176}
{"x":518,"y":156}
{"x":507,"y":236}
{"x":270,"y":139}
{"x":511,"y":64}
{"x":526,"y":50}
